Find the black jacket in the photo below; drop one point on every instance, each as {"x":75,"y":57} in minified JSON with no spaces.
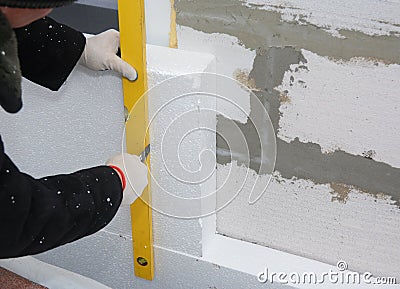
{"x":37,"y":215}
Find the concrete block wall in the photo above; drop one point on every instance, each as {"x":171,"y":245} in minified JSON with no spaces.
{"x":328,"y":74}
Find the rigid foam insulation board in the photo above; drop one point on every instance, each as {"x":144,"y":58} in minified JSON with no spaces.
{"x":82,"y":125}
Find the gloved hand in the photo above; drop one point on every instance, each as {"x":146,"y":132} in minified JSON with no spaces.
{"x":135,"y":173}
{"x":100,"y":54}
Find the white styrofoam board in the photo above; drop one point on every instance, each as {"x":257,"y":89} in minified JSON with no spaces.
{"x":82,"y":125}
{"x":232,"y":60}
{"x":79,"y":126}
{"x":174,"y":151}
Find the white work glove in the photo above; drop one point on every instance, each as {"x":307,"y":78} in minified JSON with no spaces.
{"x":135,"y":173}
{"x":100,"y":54}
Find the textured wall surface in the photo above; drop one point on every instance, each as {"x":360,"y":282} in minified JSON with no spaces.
{"x":328,"y":74}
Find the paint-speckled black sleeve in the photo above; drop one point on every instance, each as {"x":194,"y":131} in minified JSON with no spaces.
{"x":37,"y":215}
{"x":48,"y":51}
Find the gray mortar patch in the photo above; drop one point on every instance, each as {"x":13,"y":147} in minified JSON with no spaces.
{"x":306,"y":160}
{"x":273,"y":64}
{"x":257,"y":28}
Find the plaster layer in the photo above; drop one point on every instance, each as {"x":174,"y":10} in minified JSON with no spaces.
{"x":354,"y":103}
{"x":310,"y":210}
{"x":376,"y":17}
{"x":259,"y":29}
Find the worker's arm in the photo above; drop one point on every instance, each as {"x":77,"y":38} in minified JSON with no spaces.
{"x":48,"y":51}
{"x":37,"y":215}
{"x":40,"y":214}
